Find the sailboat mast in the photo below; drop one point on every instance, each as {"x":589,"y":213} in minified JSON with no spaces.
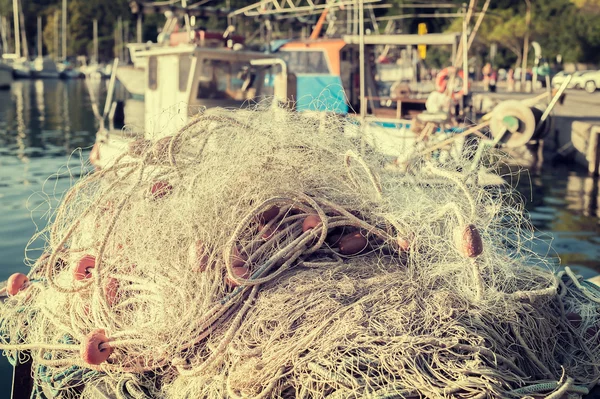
{"x":95,"y":41}
{"x":64,"y":29}
{"x":39,"y":37}
{"x":23,"y":34}
{"x":16,"y":22}
{"x":56,"y":52}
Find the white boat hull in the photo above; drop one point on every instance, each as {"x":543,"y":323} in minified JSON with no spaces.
{"x":134,"y":79}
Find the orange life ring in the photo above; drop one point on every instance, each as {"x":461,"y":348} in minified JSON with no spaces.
{"x":441,"y":81}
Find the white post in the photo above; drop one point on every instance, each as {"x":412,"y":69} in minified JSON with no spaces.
{"x":56,"y":50}
{"x":363,"y":103}
{"x":39,"y":36}
{"x":95,"y":41}
{"x":139,"y":27}
{"x":64,"y":29}
{"x":16,"y":22}
{"x":465,"y":58}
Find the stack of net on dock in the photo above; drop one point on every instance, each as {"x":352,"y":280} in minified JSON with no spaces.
{"x":262,"y":254}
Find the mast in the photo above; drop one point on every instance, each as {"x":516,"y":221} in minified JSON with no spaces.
{"x":95,"y":41}
{"x":4,"y":41}
{"x":361,"y":26}
{"x":16,"y":22}
{"x":139,"y":27}
{"x":23,"y":35}
{"x":39,"y":38}
{"x":64,"y":29}
{"x":55,"y":38}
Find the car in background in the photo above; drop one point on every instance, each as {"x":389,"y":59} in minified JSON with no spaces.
{"x":579,"y":79}
{"x":577,"y":82}
{"x":591,"y":81}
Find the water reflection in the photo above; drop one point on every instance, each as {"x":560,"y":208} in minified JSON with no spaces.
{"x":582,"y":194}
{"x":564,"y":207}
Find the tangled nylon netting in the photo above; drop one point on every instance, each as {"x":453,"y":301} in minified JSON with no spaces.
{"x":263,"y":254}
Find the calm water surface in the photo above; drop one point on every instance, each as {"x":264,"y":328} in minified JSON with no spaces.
{"x":47,"y":128}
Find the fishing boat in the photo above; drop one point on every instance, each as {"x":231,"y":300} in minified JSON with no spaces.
{"x":176,"y":31}
{"x":21,"y":66}
{"x":44,"y":67}
{"x":180,"y":81}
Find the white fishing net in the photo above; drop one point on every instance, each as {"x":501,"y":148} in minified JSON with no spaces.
{"x":262,"y":253}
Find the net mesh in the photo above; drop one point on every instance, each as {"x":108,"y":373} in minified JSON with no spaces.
{"x":263,"y":253}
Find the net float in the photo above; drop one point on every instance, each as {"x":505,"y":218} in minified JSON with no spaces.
{"x":160,"y":189}
{"x":241,"y":272}
{"x":352,"y":244}
{"x":95,"y":349}
{"x":468,"y":241}
{"x":197,"y":257}
{"x":574,"y":319}
{"x":268,"y":215}
{"x":111,"y":290}
{"x":95,"y":154}
{"x":83,"y":269}
{"x":16,"y":282}
{"x":310,"y":222}
{"x":403,"y":243}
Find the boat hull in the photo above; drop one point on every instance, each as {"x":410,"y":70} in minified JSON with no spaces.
{"x":134,"y":80}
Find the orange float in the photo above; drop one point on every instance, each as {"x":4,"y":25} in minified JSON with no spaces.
{"x":95,"y":349}
{"x":241,"y":272}
{"x":84,"y":266}
{"x":441,"y":81}
{"x":16,"y":282}
{"x":310,"y":222}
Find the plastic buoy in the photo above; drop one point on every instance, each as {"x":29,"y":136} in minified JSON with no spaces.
{"x":352,"y":244}
{"x":242,"y":272}
{"x":84,"y":266}
{"x":94,"y":348}
{"x":16,"y":282}
{"x":310,"y":222}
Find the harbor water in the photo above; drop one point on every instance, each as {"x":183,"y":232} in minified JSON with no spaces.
{"x":47,"y":129}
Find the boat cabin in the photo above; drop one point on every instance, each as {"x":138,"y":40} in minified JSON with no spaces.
{"x":180,"y":80}
{"x":328,"y":72}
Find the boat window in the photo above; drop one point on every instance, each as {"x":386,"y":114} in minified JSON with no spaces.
{"x":227,"y":80}
{"x":305,"y":61}
{"x":185,"y":63}
{"x":152,"y":73}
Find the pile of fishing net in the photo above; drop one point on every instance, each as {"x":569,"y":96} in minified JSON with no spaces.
{"x":263,"y":254}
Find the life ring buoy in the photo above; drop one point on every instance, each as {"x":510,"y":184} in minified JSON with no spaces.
{"x":441,"y":81}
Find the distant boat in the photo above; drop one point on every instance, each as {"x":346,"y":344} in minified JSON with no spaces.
{"x":21,"y":68}
{"x":6,"y":75}
{"x":67,"y":71}
{"x":44,"y":68}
